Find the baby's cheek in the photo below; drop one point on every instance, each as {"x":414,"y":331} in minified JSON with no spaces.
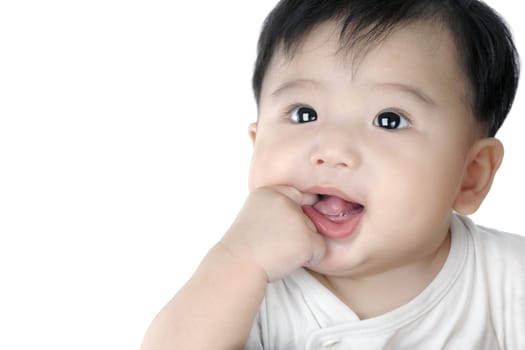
{"x":253,"y":176}
{"x":269,"y":168}
{"x":260,"y":169}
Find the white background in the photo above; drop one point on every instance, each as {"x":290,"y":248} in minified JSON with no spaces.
{"x":124,"y":156}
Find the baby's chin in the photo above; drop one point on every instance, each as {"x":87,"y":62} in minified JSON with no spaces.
{"x":324,"y":275}
{"x":331,"y":266}
{"x":352,"y":260}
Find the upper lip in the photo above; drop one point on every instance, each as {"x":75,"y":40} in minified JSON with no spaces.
{"x":331,"y":191}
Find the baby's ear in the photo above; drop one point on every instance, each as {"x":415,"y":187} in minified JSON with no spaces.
{"x":252,"y":131}
{"x":482,"y":164}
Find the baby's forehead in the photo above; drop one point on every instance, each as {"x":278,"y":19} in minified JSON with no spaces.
{"x":414,"y":51}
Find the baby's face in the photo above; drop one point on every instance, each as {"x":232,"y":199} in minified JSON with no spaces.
{"x":389,"y":133}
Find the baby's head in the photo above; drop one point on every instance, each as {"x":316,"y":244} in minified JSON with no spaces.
{"x":387,"y":106}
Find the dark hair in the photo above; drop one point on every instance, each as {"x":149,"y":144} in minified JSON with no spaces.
{"x":483,"y":40}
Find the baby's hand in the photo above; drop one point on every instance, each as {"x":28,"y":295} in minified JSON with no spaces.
{"x":272,"y":231}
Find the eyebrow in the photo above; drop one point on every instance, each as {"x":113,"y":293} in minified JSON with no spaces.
{"x":292,"y":84}
{"x":414,"y":91}
{"x":410,"y":90}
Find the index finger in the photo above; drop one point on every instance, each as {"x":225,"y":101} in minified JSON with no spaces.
{"x":297,"y":196}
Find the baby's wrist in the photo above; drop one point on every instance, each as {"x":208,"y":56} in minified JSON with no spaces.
{"x":239,"y":262}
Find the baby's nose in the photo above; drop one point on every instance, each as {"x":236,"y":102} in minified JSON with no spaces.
{"x":335,"y":156}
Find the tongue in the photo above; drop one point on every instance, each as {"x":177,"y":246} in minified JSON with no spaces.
{"x":333,"y":206}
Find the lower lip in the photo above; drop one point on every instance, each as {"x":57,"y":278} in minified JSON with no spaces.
{"x":339,"y":229}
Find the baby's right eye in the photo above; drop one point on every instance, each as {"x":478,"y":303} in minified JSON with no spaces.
{"x":303,"y":115}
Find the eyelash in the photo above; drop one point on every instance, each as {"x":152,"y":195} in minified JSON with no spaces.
{"x":399,"y":113}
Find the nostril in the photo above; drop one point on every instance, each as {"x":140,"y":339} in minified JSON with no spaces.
{"x":333,"y":161}
{"x":320,"y":161}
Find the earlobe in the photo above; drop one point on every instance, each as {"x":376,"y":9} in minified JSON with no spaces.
{"x":484,"y":160}
{"x":252,"y":131}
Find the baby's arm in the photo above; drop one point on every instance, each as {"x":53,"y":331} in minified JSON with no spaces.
{"x":270,"y":238}
{"x":214,"y":310}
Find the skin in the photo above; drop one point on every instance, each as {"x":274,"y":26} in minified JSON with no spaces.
{"x":409,"y":180}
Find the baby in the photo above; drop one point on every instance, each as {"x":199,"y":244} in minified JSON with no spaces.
{"x":374,"y":137}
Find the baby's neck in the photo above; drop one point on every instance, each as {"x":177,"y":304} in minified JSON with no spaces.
{"x":376,"y":295}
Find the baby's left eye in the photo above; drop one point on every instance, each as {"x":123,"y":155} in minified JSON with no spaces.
{"x":391,"y":120}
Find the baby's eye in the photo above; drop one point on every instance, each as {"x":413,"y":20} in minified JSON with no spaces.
{"x":391,"y":120}
{"x":303,"y":115}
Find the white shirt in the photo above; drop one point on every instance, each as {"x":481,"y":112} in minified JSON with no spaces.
{"x":477,"y":301}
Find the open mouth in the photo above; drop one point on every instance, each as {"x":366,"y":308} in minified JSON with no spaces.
{"x":336,"y":208}
{"x":335,"y":217}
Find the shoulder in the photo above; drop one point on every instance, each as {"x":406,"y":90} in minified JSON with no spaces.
{"x":496,"y":259}
{"x":507,"y":249}
{"x":496,"y":267}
